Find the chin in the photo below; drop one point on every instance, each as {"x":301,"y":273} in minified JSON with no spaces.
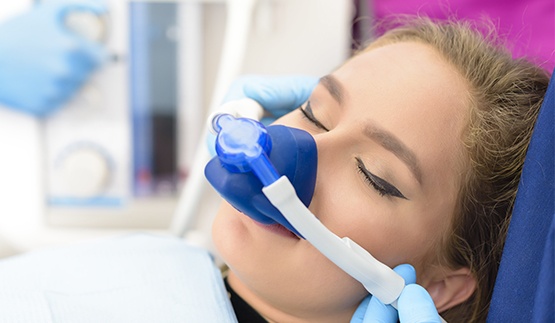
{"x":280,"y":268}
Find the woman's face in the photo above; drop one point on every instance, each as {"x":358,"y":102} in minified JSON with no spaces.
{"x":388,"y":127}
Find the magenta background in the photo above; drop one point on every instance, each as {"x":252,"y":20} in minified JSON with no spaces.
{"x":529,"y":26}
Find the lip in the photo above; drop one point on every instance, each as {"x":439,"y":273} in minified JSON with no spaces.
{"x":278,"y":229}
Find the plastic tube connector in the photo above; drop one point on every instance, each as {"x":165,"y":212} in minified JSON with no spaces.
{"x":243,"y":145}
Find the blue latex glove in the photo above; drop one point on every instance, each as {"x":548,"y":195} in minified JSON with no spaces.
{"x":415,"y":304}
{"x":42,"y":62}
{"x":278,"y":95}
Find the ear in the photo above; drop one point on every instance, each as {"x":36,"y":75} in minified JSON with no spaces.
{"x":451,"y":288}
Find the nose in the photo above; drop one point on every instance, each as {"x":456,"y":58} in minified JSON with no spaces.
{"x":334,"y":152}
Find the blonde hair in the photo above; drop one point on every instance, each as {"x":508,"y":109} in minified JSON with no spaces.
{"x":506,"y":95}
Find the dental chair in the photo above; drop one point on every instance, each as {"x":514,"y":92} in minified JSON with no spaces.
{"x":525,"y":286}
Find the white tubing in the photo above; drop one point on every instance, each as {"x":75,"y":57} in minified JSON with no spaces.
{"x":380,"y":280}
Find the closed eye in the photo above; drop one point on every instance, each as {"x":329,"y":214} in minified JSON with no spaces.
{"x":382,"y":186}
{"x":308,"y":114}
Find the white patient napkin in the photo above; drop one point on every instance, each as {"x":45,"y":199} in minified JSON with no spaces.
{"x":135,"y":278}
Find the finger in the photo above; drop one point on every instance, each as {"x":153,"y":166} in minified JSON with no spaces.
{"x":407,"y":272}
{"x":417,"y":306}
{"x":281,"y":92}
{"x":358,"y":317}
{"x":378,"y":312}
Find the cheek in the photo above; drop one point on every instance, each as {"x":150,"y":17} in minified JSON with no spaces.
{"x":294,"y":276}
{"x":226,"y":229}
{"x":392,"y":233}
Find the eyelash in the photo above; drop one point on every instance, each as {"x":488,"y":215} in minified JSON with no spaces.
{"x":310,"y":117}
{"x":379,"y":184}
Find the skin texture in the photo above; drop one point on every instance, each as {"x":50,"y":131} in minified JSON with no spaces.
{"x":408,"y":91}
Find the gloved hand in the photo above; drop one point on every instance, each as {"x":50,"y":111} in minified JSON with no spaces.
{"x":42,"y":62}
{"x":278,"y":95}
{"x":415,"y":304}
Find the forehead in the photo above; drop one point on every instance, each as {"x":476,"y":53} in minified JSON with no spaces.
{"x":410,"y":90}
{"x":415,"y":67}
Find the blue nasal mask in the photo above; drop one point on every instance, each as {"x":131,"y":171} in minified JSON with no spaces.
{"x":244,"y":148}
{"x":269,"y":174}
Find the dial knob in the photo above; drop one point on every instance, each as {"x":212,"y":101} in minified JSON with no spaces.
{"x":84,"y":172}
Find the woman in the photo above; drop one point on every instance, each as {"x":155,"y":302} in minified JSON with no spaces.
{"x":421,"y":138}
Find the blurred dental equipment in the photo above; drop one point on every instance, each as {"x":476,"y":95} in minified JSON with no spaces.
{"x":118,"y":154}
{"x":111,"y":155}
{"x":246,"y":152}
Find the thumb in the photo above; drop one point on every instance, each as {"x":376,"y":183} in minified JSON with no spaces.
{"x":417,"y":306}
{"x":358,"y":317}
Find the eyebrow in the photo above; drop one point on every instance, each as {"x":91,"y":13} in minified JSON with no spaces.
{"x":396,"y":146}
{"x":334,"y":88}
{"x":381,"y":136}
